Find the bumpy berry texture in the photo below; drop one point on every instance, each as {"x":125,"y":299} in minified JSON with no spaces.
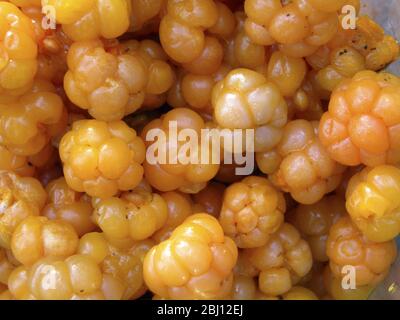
{"x":124,"y":265}
{"x":241,"y":51}
{"x":368,"y":39}
{"x":135,"y":215}
{"x":286,"y":72}
{"x":282,"y":262}
{"x":63,"y":203}
{"x":300,"y":164}
{"x":179,"y":207}
{"x":89,"y":20}
{"x":361,"y":125}
{"x":195,"y":90}
{"x":102,"y":158}
{"x":245,"y":99}
{"x":164,"y":168}
{"x":343,"y":63}
{"x":38,"y":237}
{"x":158,"y":77}
{"x":196,"y":262}
{"x":78,"y":277}
{"x":372,"y":200}
{"x":20,"y":197}
{"x":347,"y":246}
{"x":182,"y":28}
{"x":111,"y":86}
{"x":353,"y":50}
{"x":299,"y":26}
{"x":252,"y":211}
{"x":28,"y":122}
{"x":18,"y":51}
{"x":314,"y":222}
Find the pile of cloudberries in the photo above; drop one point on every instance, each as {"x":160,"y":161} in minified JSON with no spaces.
{"x":111,"y":190}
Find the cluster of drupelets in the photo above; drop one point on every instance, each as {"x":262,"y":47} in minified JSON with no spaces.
{"x":84,"y":215}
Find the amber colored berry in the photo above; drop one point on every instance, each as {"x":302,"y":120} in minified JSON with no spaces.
{"x":314,"y":222}
{"x":38,"y":237}
{"x":19,"y":198}
{"x":369,"y":39}
{"x":373,"y":203}
{"x":226,"y":22}
{"x":196,"y":90}
{"x":92,"y":19}
{"x":18,"y":50}
{"x":159,"y":75}
{"x":166,"y":167}
{"x":361,"y":125}
{"x":123,"y":265}
{"x":286,"y":72}
{"x":179,"y":207}
{"x":111,"y":86}
{"x":102,"y":158}
{"x":196,"y":262}
{"x":211,"y":198}
{"x":245,"y":99}
{"x":252,"y":211}
{"x":347,"y":246}
{"x":300,"y":164}
{"x":28,"y":123}
{"x":282,"y":261}
{"x":299,"y":26}
{"x":344,"y":63}
{"x":134,"y":215}
{"x":65,"y":204}
{"x":182,"y":28}
{"x":51,"y":278}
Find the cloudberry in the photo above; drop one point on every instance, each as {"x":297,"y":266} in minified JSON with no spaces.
{"x":173,"y":172}
{"x":252,"y":211}
{"x":373,"y":203}
{"x":347,"y":246}
{"x":300,"y":164}
{"x":18,"y":50}
{"x":123,"y":265}
{"x":38,"y":237}
{"x":64,"y":203}
{"x":102,"y":158}
{"x":134,"y":215}
{"x":195,"y":262}
{"x":282,"y":261}
{"x":245,"y":99}
{"x":20,"y":197}
{"x":92,"y":19}
{"x":361,"y":125}
{"x":179,"y":208}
